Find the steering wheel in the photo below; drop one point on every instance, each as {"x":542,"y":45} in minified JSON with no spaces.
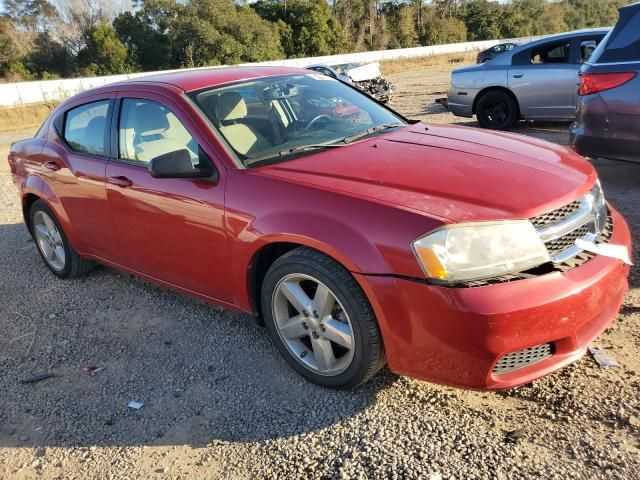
{"x":315,"y":119}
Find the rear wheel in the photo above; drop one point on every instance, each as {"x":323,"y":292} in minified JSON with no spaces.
{"x":53,"y":245}
{"x":497,"y":110}
{"x":320,"y":320}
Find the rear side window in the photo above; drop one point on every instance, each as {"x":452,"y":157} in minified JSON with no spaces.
{"x":85,"y":128}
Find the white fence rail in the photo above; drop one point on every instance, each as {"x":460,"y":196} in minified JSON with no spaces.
{"x":26,"y":93}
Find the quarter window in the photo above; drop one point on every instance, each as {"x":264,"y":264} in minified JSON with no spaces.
{"x":85,"y":128}
{"x":148,"y":129}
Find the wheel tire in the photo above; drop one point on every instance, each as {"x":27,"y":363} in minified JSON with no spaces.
{"x":74,"y":265}
{"x":368,"y":351}
{"x":497,"y":110}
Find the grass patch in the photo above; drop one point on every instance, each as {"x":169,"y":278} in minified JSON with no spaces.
{"x":405,"y":64}
{"x":29,"y":116}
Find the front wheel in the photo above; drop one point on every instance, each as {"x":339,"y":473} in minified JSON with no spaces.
{"x":497,"y":110}
{"x":320,"y":320}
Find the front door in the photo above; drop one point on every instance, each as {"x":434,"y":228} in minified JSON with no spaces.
{"x":172,"y":229}
{"x":543,"y":79}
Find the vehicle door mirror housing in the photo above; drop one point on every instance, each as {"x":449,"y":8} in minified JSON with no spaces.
{"x":178,"y":164}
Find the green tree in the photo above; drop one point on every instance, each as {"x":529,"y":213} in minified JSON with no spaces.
{"x":443,"y":30}
{"x":147,"y":34}
{"x":483,"y":19}
{"x":401,"y":20}
{"x":307,"y":27}
{"x":104,"y":53}
{"x":592,"y":13}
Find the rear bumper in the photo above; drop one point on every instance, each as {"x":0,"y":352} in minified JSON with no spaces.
{"x":591,"y":144}
{"x":456,"y":336}
{"x":460,"y":103}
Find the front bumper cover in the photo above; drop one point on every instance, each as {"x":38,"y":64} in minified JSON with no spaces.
{"x":456,"y":336}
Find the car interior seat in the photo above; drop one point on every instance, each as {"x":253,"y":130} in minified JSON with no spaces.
{"x":230,"y":111}
{"x":150,"y":134}
{"x":93,"y":139}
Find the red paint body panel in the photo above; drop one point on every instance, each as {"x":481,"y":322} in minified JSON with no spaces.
{"x":363,"y":205}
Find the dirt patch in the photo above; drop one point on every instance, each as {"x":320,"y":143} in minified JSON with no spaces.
{"x":19,"y":118}
{"x":389,"y":67}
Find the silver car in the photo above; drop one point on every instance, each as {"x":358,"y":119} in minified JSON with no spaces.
{"x":537,"y":80}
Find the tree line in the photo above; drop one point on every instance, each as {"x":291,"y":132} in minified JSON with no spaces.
{"x":43,"y":39}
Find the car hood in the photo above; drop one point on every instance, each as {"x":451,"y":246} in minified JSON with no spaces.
{"x":454,"y":173}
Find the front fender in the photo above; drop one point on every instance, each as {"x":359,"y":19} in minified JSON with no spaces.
{"x":364,"y":236}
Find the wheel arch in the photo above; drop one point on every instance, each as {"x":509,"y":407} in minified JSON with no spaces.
{"x":36,"y":188}
{"x":269,"y":251}
{"x":27,"y":201}
{"x":494,"y":88}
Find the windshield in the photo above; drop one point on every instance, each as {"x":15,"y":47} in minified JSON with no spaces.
{"x":274,"y":118}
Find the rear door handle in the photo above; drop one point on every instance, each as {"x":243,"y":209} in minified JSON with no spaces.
{"x":122,"y":182}
{"x":518,"y":75}
{"x":53,"y":166}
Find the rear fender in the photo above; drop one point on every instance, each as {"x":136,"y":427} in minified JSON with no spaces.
{"x":36,"y":186}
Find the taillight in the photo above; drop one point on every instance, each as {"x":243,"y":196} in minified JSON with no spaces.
{"x":591,"y":83}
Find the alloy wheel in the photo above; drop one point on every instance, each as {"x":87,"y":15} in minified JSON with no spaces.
{"x":49,"y":240}
{"x":313,"y":324}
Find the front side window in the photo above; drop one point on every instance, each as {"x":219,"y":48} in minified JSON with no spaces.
{"x":287,"y":113}
{"x":149,"y":129}
{"x":85,"y":128}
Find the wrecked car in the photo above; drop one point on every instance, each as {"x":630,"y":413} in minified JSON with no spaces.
{"x":367,"y":78}
{"x":358,"y":237}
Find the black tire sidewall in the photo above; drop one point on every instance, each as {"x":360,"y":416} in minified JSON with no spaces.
{"x":354,"y":374}
{"x":40,"y":205}
{"x":512,"y":117}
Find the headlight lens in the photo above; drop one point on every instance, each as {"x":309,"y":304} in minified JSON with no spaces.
{"x":599,"y":206}
{"x":474,"y":251}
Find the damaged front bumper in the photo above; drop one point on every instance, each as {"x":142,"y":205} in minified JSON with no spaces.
{"x":501,"y":335}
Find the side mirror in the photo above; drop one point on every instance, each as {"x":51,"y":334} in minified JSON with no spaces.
{"x":178,"y":164}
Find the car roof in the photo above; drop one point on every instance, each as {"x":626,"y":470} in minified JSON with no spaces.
{"x":561,"y":36}
{"x":196,"y":79}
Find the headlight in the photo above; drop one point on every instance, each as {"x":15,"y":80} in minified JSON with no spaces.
{"x":474,"y":251}
{"x":598,"y":206}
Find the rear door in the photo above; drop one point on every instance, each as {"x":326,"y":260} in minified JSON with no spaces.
{"x":543,"y":78}
{"x":75,"y":170}
{"x":171,"y":229}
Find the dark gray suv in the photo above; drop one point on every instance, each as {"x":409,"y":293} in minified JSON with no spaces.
{"x":608,"y":120}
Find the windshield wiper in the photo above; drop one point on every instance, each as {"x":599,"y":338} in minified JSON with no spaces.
{"x":319,"y":146}
{"x":292,"y":150}
{"x":369,"y":131}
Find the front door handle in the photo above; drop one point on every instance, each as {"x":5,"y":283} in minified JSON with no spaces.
{"x":122,"y":182}
{"x":518,"y":75}
{"x":51,"y":165}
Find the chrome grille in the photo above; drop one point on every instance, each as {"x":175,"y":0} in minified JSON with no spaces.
{"x":583,"y":219}
{"x":560,"y":244}
{"x":523,"y":358}
{"x":556,"y":216}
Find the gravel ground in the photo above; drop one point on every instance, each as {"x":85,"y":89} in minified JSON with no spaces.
{"x":220,"y":403}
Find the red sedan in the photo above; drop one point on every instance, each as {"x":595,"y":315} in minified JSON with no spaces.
{"x":359,"y":238}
